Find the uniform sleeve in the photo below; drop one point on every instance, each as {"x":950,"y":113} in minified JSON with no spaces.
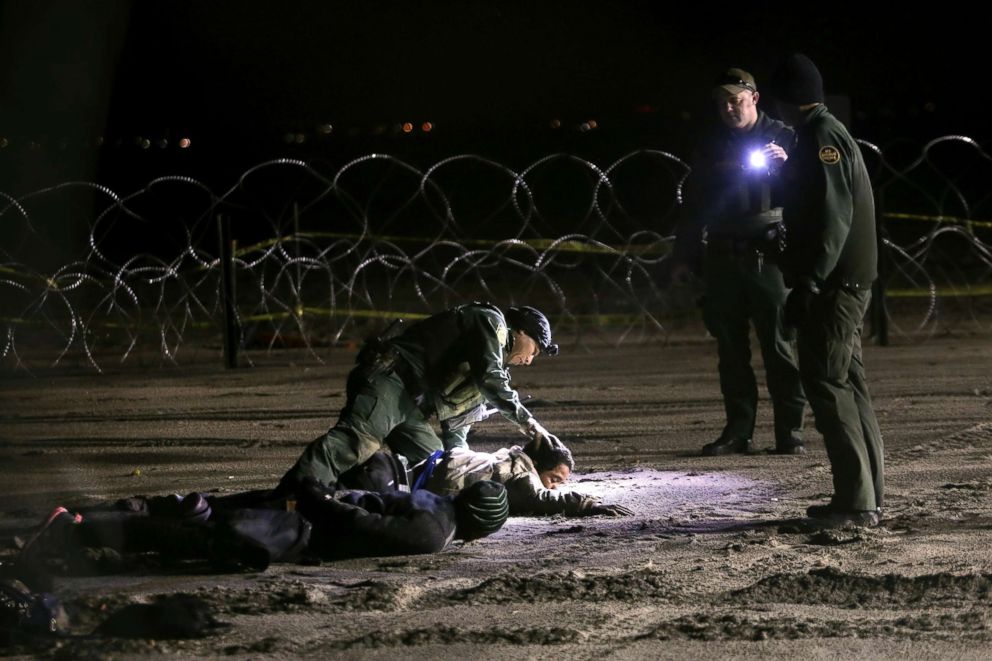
{"x":455,"y":438}
{"x":527,"y":495}
{"x":491,"y":377}
{"x":830,"y":203}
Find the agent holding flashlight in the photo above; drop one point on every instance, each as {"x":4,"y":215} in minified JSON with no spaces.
{"x":733,"y":198}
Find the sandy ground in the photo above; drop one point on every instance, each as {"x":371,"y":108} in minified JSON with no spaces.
{"x":717,"y":560}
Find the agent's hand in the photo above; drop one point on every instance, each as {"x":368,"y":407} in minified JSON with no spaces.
{"x":609,"y":510}
{"x":535,"y":430}
{"x":798,"y":306}
{"x":775,"y":154}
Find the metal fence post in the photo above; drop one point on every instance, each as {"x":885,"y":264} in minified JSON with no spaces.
{"x":227,"y":292}
{"x":879,"y":315}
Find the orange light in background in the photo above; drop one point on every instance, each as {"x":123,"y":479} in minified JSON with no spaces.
{"x":426,"y":127}
{"x":184,"y":143}
{"x":407,"y":127}
{"x":556,"y":123}
{"x":593,"y":124}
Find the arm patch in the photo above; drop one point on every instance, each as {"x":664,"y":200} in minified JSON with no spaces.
{"x":829,"y":155}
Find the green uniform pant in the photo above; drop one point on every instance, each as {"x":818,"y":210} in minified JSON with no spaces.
{"x":379,"y":410}
{"x":741,"y":291}
{"x":834,"y":378}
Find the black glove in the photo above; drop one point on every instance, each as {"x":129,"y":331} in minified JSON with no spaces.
{"x":609,"y":510}
{"x":798,"y":304}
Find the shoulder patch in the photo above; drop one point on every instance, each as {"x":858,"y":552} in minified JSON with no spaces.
{"x":502,"y":334}
{"x":829,"y":155}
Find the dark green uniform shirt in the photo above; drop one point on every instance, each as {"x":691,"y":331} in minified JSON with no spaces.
{"x":726,"y":196}
{"x":829,"y":211}
{"x":457,"y":357}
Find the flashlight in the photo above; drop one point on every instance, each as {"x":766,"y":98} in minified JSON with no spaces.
{"x":756,"y":160}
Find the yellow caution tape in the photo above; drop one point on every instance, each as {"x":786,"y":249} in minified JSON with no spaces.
{"x":940,"y":292}
{"x":537,"y":244}
{"x":938,"y":219}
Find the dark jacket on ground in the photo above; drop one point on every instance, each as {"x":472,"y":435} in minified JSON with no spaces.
{"x":354,"y":524}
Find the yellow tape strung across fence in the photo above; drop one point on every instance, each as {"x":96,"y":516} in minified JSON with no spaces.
{"x":941,"y":292}
{"x":536,"y":244}
{"x":938,"y":219}
{"x":600,"y":319}
{"x":604,"y":319}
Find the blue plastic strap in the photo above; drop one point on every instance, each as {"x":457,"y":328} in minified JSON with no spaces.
{"x":429,"y":466}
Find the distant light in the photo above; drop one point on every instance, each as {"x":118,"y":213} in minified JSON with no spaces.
{"x":593,"y":124}
{"x":300,"y":138}
{"x":584,"y":126}
{"x":325,"y":129}
{"x":162,"y":143}
{"x":145,"y":143}
{"x":407,"y":127}
{"x":99,"y":141}
{"x":556,"y":123}
{"x":289,"y":138}
{"x":4,"y":142}
{"x":426,"y":127}
{"x":929,"y":106}
{"x":644,"y":108}
{"x":757,"y":160}
{"x":379,"y":129}
{"x":184,"y":143}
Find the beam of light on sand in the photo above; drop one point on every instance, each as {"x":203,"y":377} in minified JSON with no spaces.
{"x":675,"y":496}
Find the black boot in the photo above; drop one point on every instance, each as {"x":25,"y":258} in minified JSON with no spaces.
{"x":727,"y":445}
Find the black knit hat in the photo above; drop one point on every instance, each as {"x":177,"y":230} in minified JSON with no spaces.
{"x":481,"y":509}
{"x":797,"y":81}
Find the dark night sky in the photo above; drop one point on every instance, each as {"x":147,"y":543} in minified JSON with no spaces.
{"x":74,"y":68}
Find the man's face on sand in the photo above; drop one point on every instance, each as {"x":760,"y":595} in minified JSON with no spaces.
{"x":552,"y":479}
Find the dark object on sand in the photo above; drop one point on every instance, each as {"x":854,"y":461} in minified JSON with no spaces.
{"x":174,"y":616}
{"x":23,"y":612}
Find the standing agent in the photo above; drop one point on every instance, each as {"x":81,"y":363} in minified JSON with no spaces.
{"x":831,"y":261}
{"x":734,"y":196}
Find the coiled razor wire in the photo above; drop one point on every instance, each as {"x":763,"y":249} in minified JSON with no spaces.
{"x":320,"y":257}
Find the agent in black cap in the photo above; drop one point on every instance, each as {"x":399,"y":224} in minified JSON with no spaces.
{"x":453,"y":364}
{"x":734,"y":194}
{"x":831,"y":262}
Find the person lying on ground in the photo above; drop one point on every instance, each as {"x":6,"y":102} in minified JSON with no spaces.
{"x":532,"y":475}
{"x":318,"y":522}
